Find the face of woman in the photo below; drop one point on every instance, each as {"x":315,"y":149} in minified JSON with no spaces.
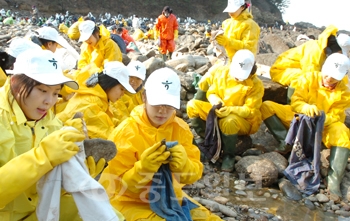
{"x":115,"y":93}
{"x":329,"y":82}
{"x":236,"y":13}
{"x":40,"y":100}
{"x":158,"y":114}
{"x":51,"y":46}
{"x":92,"y":41}
{"x":135,"y":82}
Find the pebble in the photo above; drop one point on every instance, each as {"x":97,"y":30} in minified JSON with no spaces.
{"x":342,"y":213}
{"x":309,"y":204}
{"x":221,"y":200}
{"x":267,"y":195}
{"x":240,"y":192}
{"x":312,"y":198}
{"x":335,"y":207}
{"x":322,"y":198}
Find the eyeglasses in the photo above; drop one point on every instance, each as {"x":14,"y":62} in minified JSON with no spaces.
{"x":166,"y":107}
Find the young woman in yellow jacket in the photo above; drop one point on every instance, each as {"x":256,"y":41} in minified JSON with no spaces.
{"x":31,"y":141}
{"x":128,"y":177}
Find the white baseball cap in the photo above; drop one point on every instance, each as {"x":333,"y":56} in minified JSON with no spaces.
{"x":118,"y":71}
{"x":343,"y":41}
{"x":86,"y":28}
{"x":163,"y":88}
{"x":42,"y":66}
{"x":233,"y":5}
{"x":336,"y":66}
{"x":137,"y":69}
{"x":51,"y":34}
{"x":20,"y":45}
{"x":242,"y":64}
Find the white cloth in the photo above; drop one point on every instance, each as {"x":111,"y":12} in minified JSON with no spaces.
{"x":73,"y":176}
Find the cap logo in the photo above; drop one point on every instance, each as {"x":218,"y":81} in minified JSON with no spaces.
{"x":336,"y":65}
{"x":54,"y":62}
{"x":241,"y":64}
{"x":137,"y":67}
{"x":166,"y":84}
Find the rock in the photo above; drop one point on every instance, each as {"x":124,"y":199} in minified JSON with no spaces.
{"x":279,"y":160}
{"x":221,"y":200}
{"x":309,"y":204}
{"x":153,"y":64}
{"x":274,"y":91}
{"x":262,"y":171}
{"x":289,"y":189}
{"x":322,"y":198}
{"x":99,"y":148}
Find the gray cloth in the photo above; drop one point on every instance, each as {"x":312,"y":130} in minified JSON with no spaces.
{"x":305,"y":135}
{"x":120,"y":42}
{"x":73,"y":176}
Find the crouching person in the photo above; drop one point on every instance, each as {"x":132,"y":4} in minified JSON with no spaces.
{"x":144,"y":180}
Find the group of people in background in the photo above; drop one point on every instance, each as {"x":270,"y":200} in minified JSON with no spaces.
{"x":157,"y":154}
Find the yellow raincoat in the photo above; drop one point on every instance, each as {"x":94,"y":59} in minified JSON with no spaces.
{"x":20,"y":166}
{"x":94,"y":105}
{"x":307,"y":57}
{"x":132,"y":137}
{"x":243,"y":33}
{"x":3,"y":77}
{"x":138,"y":35}
{"x":247,"y":95}
{"x":63,"y":28}
{"x":332,"y":102}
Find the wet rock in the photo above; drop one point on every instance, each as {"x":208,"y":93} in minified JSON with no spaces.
{"x":274,"y":91}
{"x":322,"y":198}
{"x":289,"y":189}
{"x":258,"y":170}
{"x":221,"y":200}
{"x":279,"y":160}
{"x":342,"y":213}
{"x":244,"y":143}
{"x":99,"y":148}
{"x":309,"y":204}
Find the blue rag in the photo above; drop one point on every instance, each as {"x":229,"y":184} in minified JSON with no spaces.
{"x":162,"y":197}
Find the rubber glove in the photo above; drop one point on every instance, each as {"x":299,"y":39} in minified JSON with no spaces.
{"x":223,"y":112}
{"x":77,"y":123}
{"x":214,"y":99}
{"x":222,"y":40}
{"x":310,"y":110}
{"x":178,"y":158}
{"x":59,"y":146}
{"x":176,"y":34}
{"x":153,"y":157}
{"x":95,"y":169}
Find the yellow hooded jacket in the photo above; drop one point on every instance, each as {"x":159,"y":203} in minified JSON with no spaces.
{"x":243,"y":33}
{"x":20,"y":166}
{"x":246,"y":94}
{"x":94,"y":105}
{"x":132,"y":137}
{"x":307,"y":57}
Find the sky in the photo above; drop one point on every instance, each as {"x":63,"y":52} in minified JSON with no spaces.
{"x":319,"y":13}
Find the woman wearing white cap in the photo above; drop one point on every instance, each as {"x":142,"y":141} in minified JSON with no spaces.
{"x":93,"y":99}
{"x":240,"y":92}
{"x":123,"y":107}
{"x":96,"y":50}
{"x":128,"y":177}
{"x":31,"y":143}
{"x":318,"y":91}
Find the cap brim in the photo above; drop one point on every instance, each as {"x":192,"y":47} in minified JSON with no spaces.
{"x":134,"y":73}
{"x":231,"y":9}
{"x":243,"y":75}
{"x":84,"y":37}
{"x":55,"y":79}
{"x":167,"y":99}
{"x":128,"y":87}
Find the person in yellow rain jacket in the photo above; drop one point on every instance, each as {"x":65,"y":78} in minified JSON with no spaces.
{"x":167,"y":32}
{"x":123,"y":107}
{"x":93,"y":99}
{"x":63,"y":28}
{"x":129,"y":175}
{"x":291,"y":64}
{"x":240,"y":92}
{"x":318,"y":91}
{"x":31,"y":143}
{"x":240,"y":32}
{"x":73,"y":31}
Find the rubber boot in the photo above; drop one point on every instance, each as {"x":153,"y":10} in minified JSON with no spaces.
{"x":290,"y":92}
{"x":279,"y":132}
{"x":228,"y":156}
{"x":169,"y":55}
{"x":164,"y":57}
{"x":338,"y":160}
{"x":199,"y":126}
{"x":201,"y":95}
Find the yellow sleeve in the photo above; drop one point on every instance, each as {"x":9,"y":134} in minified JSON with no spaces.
{"x":253,"y":100}
{"x":18,"y":173}
{"x":112,"y":52}
{"x":301,"y":94}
